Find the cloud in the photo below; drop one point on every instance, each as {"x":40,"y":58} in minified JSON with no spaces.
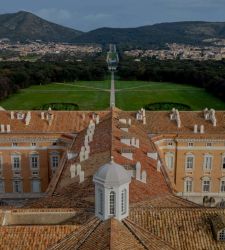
{"x":97,"y":17}
{"x":53,"y":14}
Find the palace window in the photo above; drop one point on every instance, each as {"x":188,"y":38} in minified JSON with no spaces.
{"x":17,"y":186}
{"x":34,"y":161}
{"x":206,"y":183}
{"x":189,"y":163}
{"x":190,"y":144}
{"x":208,"y":159}
{"x":100,"y":204}
{"x":54,"y":160}
{"x":223,"y":162}
{"x":1,"y":162}
{"x":209,"y":144}
{"x":33,"y":144}
{"x":35,"y":185}
{"x":16,"y":161}
{"x":188,"y":185}
{"x":124,"y":201}
{"x":14,"y":144}
{"x":170,"y":160}
{"x":112,"y":201}
{"x":2,"y":186}
{"x":222,"y":186}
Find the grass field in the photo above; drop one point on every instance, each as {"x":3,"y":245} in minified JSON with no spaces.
{"x":88,"y":95}
{"x":130,"y":95}
{"x":136,"y":94}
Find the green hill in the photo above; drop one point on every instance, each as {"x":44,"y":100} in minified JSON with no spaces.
{"x":22,"y":26}
{"x":156,"y":35}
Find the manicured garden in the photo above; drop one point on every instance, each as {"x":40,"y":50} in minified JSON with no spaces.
{"x":95,"y":95}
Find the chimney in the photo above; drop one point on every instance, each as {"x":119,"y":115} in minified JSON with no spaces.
{"x":8,"y":128}
{"x":202,"y":129}
{"x":42,"y":115}
{"x":12,"y":115}
{"x":2,"y":128}
{"x":144,"y":120}
{"x":195,"y":128}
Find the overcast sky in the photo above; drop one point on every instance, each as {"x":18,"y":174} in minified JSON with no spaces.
{"x":91,"y":14}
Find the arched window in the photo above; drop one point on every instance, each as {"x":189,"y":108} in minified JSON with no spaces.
{"x":170,"y":160}
{"x":100,"y":201}
{"x":188,"y":185}
{"x":124,"y":201}
{"x":221,"y":235}
{"x":112,"y":201}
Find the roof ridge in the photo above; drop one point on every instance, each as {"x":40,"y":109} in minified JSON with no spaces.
{"x":84,"y":231}
{"x":134,"y":234}
{"x":142,"y":233}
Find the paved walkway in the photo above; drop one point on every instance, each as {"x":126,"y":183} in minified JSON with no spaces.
{"x":112,"y":92}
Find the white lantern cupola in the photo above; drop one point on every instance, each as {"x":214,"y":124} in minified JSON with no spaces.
{"x":112,"y":191}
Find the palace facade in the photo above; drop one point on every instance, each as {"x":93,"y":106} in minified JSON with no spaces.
{"x":140,"y":180}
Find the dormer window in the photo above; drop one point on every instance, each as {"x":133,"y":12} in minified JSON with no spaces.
{"x":218,"y":227}
{"x":221,"y":235}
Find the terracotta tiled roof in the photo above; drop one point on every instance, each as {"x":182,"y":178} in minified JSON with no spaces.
{"x":150,"y":241}
{"x":157,"y":220}
{"x":96,"y":234}
{"x":182,"y":228}
{"x":77,"y":237}
{"x":164,"y":201}
{"x":63,"y":121}
{"x":159,"y":122}
{"x":32,"y":237}
{"x":156,"y":182}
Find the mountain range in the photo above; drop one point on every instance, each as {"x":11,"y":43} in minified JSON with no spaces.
{"x":23,"y":26}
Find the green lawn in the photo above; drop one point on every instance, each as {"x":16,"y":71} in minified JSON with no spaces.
{"x":94,"y":95}
{"x":88,"y":95}
{"x":132,"y":95}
